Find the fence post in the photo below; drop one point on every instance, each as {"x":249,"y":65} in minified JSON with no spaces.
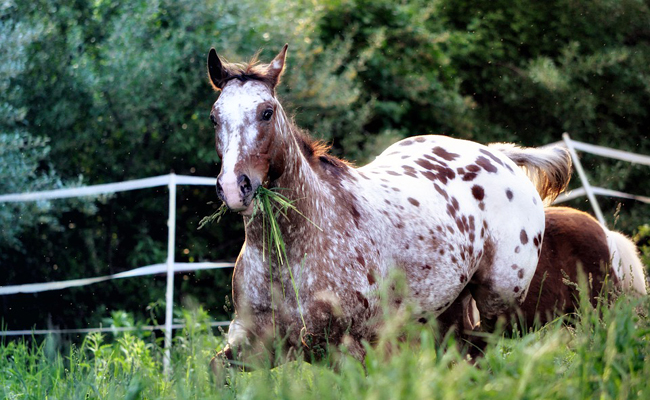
{"x":583,"y":178}
{"x":169,"y":298}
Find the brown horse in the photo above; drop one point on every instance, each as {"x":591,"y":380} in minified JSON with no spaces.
{"x":441,"y":211}
{"x":573,"y":241}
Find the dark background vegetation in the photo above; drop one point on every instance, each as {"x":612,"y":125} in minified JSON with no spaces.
{"x":104,"y":91}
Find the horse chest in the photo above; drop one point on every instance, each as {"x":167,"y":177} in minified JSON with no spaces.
{"x":338,"y":275}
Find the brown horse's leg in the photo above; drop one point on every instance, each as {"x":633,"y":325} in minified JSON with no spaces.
{"x":458,"y":317}
{"x":461,"y":318}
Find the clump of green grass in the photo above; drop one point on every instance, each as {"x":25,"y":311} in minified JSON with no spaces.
{"x":215,"y":216}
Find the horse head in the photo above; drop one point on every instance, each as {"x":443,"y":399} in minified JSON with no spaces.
{"x":247,"y":118}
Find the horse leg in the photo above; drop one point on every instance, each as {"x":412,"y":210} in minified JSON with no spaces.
{"x":500,"y":284}
{"x":328,"y":332}
{"x":457,"y":317}
{"x":237,"y":341}
{"x":248,"y":345}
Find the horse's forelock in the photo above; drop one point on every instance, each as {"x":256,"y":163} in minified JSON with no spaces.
{"x":253,"y":70}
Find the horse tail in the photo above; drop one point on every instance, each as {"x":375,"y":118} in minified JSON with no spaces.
{"x":548,"y":168}
{"x":626,"y":264}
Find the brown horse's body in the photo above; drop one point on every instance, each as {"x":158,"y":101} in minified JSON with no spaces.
{"x":573,"y":242}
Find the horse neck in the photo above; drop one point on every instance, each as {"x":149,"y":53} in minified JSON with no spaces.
{"x":299,"y":183}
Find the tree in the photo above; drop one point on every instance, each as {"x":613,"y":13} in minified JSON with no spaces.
{"x":535,"y":70}
{"x":23,"y":156}
{"x":405,"y":71}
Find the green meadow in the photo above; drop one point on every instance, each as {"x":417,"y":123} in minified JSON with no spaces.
{"x":599,"y":353}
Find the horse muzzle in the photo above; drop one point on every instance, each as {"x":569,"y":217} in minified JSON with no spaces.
{"x":237,"y":193}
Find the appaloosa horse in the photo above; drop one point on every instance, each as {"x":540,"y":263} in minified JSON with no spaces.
{"x":573,"y":241}
{"x":442,"y":211}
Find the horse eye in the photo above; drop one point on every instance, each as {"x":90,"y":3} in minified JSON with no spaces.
{"x":267,"y":114}
{"x":214,"y":120}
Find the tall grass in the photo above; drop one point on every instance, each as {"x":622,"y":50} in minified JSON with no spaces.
{"x":603,"y":354}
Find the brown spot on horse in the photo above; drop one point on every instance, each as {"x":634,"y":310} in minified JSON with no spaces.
{"x":492,"y":156}
{"x":442,"y":153}
{"x":486,"y":164}
{"x":441,"y":191}
{"x":523,"y":236}
{"x":478,"y":192}
{"x":469,"y":177}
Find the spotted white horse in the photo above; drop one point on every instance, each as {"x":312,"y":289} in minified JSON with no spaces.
{"x":450,"y":214}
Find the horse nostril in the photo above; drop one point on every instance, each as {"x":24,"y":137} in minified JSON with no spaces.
{"x":245,"y":186}
{"x":220,"y":194}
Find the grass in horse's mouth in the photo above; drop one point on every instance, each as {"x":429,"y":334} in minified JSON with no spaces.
{"x":215,"y":216}
{"x":270,"y":205}
{"x":265,"y":200}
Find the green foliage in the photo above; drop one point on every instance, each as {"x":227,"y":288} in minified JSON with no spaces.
{"x":399,"y":50}
{"x":20,"y":155}
{"x":23,"y":156}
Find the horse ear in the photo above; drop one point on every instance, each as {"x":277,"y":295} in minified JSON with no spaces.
{"x":275,"y":68}
{"x":216,"y":71}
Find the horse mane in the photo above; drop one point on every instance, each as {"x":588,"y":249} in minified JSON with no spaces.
{"x":316,"y":151}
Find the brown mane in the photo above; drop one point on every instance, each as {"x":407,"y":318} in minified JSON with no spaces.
{"x":316,"y":151}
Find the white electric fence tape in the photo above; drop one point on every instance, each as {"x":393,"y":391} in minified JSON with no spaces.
{"x":103,"y":329}
{"x":142,"y":271}
{"x":604,"y":152}
{"x":611,"y":153}
{"x":107,"y":188}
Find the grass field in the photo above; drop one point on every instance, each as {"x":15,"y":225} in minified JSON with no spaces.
{"x":603,"y":355}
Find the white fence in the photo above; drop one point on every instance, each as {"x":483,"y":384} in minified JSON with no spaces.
{"x":171,"y":267}
{"x":591,"y":191}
